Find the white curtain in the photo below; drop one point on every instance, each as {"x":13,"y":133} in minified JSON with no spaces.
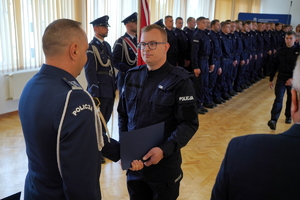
{"x":181,"y":8}
{"x":22,"y":25}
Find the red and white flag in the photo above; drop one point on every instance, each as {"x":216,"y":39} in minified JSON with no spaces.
{"x":143,"y":20}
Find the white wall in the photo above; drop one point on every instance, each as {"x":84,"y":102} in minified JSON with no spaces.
{"x":7,"y":106}
{"x":282,"y":7}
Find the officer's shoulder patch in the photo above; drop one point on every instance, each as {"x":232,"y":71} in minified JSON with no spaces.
{"x":179,"y":71}
{"x":73,"y":84}
{"x":196,"y":41}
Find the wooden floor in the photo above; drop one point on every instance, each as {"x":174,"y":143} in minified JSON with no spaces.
{"x":246,"y":113}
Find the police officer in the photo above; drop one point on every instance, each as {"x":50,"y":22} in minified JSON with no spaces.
{"x":172,"y":40}
{"x":183,"y":44}
{"x":284,"y":62}
{"x":214,"y":92}
{"x":228,"y":61}
{"x":64,"y":150}
{"x":125,"y":52}
{"x":189,"y":30}
{"x":260,"y":50}
{"x":154,"y":93}
{"x":200,"y":55}
{"x":99,"y":70}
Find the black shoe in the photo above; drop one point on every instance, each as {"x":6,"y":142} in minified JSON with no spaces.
{"x":231,"y":93}
{"x":217,"y":101}
{"x":288,"y":120}
{"x":215,"y":105}
{"x":243,"y":86}
{"x":201,"y":111}
{"x":102,"y":160}
{"x":205,"y":110}
{"x":222,"y":100}
{"x":226,"y":96}
{"x":272,"y":124}
{"x":208,"y":105}
{"x":239,"y":90}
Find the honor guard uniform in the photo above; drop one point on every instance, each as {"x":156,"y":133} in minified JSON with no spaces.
{"x":125,"y":51}
{"x":64,"y":150}
{"x":99,"y":70}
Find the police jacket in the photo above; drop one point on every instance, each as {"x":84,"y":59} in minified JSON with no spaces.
{"x":284,"y":62}
{"x":99,"y":71}
{"x":163,"y":95}
{"x":237,"y":45}
{"x":62,"y":139}
{"x":260,"y":41}
{"x":216,"y":46}
{"x":201,"y":49}
{"x":173,"y":41}
{"x":183,"y":44}
{"x":246,"y":46}
{"x":227,"y":46}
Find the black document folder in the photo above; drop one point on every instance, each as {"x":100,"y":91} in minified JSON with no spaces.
{"x":136,"y":143}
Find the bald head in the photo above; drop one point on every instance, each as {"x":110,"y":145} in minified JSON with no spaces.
{"x":59,"y":35}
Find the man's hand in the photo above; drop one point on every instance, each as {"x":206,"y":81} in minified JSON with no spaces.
{"x":197,"y":72}
{"x":187,"y":63}
{"x":136,"y":165}
{"x":211,"y":68}
{"x":242,"y":62}
{"x":295,"y":108}
{"x":234,"y":63}
{"x":153,"y":156}
{"x":289,"y":82}
{"x":220,"y":71}
{"x":270,"y":52}
{"x":271,"y":84}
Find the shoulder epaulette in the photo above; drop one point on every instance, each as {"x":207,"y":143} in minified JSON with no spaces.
{"x":179,"y":71}
{"x":137,"y":68}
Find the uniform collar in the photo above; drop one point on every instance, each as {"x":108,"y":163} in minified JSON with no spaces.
{"x":99,"y":39}
{"x":132,"y":36}
{"x":55,"y":72}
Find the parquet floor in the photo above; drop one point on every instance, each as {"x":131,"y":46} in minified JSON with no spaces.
{"x":246,"y":113}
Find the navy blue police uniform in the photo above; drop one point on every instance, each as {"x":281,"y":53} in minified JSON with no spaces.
{"x":226,"y":64}
{"x":149,"y":97}
{"x":183,"y":47}
{"x":172,"y":54}
{"x":238,"y":49}
{"x":189,"y":33}
{"x":99,"y":71}
{"x":260,"y":55}
{"x":63,"y":138}
{"x":214,"y":92}
{"x":242,"y":77}
{"x":267,"y":35}
{"x":200,"y":55}
{"x":284,"y":63}
{"x":125,"y":52}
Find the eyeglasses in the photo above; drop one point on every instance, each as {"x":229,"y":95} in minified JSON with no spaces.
{"x":151,"y":45}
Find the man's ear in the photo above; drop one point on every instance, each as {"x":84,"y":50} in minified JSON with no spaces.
{"x":167,"y":46}
{"x":73,"y":51}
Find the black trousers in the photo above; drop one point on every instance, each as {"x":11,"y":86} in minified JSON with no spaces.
{"x":106,"y":108}
{"x":280,"y":88}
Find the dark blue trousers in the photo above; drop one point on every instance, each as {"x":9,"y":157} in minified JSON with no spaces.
{"x":212,"y":82}
{"x":201,"y":83}
{"x":280,"y":88}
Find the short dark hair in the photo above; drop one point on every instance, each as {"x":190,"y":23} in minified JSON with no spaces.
{"x":178,"y":18}
{"x":200,"y":19}
{"x":213,"y":22}
{"x":59,"y":34}
{"x":189,"y":19}
{"x":291,"y":33}
{"x":168,"y":16}
{"x":223,"y":24}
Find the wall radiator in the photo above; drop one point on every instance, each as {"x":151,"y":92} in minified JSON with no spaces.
{"x":16,"y":82}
